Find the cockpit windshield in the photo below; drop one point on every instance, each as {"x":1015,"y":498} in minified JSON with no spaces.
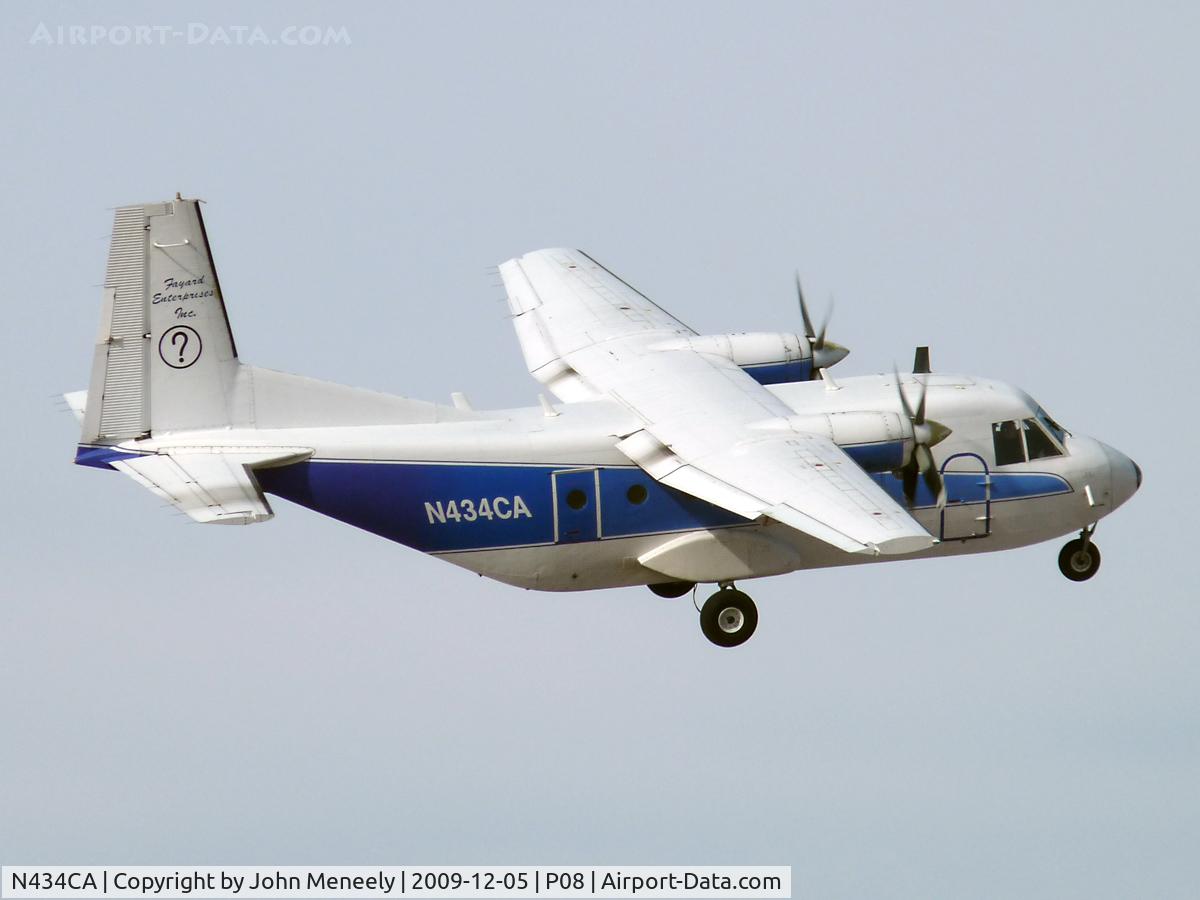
{"x":1026,"y":440}
{"x":1053,"y":427}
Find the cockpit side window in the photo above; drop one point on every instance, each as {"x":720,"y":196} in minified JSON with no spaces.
{"x":1040,"y":446}
{"x":1006,"y":440}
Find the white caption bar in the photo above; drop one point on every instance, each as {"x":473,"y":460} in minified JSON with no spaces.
{"x":283,"y":882}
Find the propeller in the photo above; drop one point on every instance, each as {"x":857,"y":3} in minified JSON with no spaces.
{"x":927,"y":433}
{"x":825,"y":353}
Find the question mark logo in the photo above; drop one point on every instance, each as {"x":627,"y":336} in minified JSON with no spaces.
{"x":180,"y":346}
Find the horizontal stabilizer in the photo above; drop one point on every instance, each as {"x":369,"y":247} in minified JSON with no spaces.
{"x":211,"y":484}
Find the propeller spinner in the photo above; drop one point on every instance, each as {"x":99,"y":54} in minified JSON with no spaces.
{"x":825,"y":353}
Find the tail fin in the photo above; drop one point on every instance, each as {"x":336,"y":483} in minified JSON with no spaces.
{"x":165,"y":362}
{"x":165,"y":358}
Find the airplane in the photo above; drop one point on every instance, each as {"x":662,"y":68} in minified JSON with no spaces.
{"x":671,"y":459}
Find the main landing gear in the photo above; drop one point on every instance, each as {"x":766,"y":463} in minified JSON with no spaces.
{"x":1080,"y":559}
{"x":728,"y":617}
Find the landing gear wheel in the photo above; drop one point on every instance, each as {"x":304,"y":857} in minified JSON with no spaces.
{"x":1079,"y":559}
{"x":671,"y":589}
{"x":728,"y":618}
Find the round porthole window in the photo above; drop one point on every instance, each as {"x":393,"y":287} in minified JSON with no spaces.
{"x":636,"y":494}
{"x":576,"y":499}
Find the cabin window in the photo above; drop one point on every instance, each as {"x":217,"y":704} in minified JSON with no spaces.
{"x":1039,"y":444}
{"x":1006,"y":439}
{"x":576,"y":499}
{"x":636,"y":494}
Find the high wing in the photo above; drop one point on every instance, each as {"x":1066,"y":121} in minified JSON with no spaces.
{"x":563,"y":301}
{"x":709,"y":429}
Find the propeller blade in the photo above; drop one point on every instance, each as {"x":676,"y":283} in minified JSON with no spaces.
{"x":920,"y":419}
{"x":808,"y":325}
{"x":903,"y":399}
{"x":923,"y":459}
{"x":824,"y":326}
{"x":933,"y":481}
{"x":909,"y":474}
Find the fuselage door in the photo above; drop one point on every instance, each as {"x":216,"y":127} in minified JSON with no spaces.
{"x":968,"y":510}
{"x":576,"y":505}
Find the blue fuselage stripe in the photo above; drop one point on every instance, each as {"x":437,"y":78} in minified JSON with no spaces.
{"x":971,"y":487}
{"x":885,"y":456}
{"x":780,"y":372}
{"x":440,"y":508}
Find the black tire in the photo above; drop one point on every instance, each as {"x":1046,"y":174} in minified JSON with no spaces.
{"x":672,"y":589}
{"x":728,"y":618}
{"x":1078,"y":563}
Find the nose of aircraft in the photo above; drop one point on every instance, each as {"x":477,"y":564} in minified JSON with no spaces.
{"x":1126,"y":475}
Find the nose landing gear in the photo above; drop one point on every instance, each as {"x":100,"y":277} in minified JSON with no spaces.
{"x":1080,"y":559}
{"x":729,"y":617}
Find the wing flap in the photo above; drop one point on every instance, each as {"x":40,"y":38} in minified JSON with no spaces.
{"x":807,"y":483}
{"x":704,"y":435}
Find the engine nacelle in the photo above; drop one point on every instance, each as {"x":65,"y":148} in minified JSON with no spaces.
{"x":877,"y":441}
{"x":768,"y":357}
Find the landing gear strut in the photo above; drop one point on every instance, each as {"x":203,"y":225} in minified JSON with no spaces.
{"x":728,"y":617}
{"x":1079,"y":559}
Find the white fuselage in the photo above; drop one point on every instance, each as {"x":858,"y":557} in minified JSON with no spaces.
{"x":548,"y":502}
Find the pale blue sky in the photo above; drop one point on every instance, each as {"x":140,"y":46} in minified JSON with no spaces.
{"x":1014,"y":186}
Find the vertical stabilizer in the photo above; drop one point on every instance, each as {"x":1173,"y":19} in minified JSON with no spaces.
{"x":165,"y":358}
